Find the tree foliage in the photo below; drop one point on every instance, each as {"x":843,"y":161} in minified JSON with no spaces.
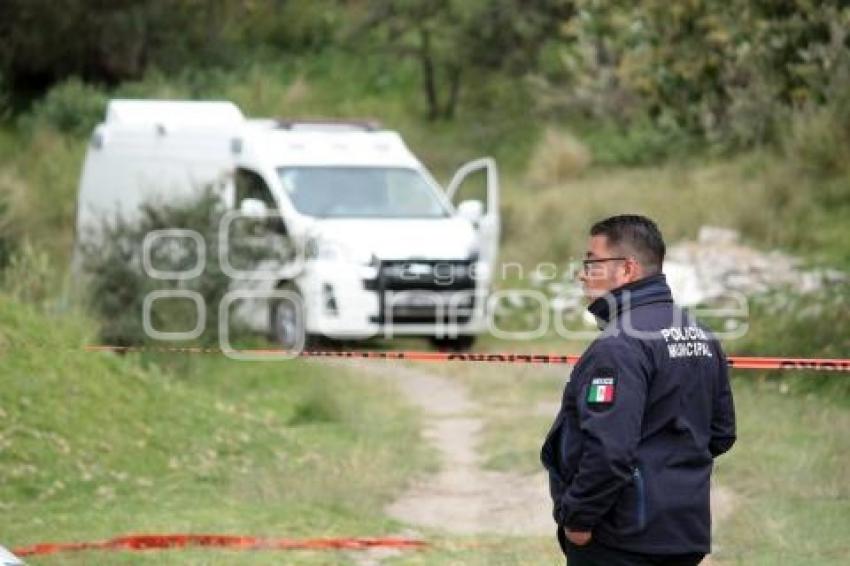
{"x":711,"y":68}
{"x":109,"y":41}
{"x":714,"y":70}
{"x":453,"y":39}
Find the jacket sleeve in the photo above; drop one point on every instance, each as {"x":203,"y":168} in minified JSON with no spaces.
{"x":611,"y":431}
{"x":723,"y":411}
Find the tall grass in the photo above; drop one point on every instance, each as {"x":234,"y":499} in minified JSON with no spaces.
{"x":777,"y":198}
{"x":558,"y":157}
{"x":816,"y":325}
{"x":96,"y":445}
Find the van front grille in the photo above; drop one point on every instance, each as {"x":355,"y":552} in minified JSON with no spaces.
{"x":424,"y":291}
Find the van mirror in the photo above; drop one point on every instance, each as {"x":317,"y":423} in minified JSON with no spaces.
{"x":471,"y":210}
{"x":253,"y":208}
{"x":277,"y":225}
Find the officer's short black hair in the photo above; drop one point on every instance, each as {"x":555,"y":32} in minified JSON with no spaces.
{"x":636,"y":235}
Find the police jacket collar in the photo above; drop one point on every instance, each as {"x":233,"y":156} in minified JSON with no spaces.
{"x":652,"y":289}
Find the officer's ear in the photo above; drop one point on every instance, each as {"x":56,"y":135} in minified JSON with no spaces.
{"x":633,"y":269}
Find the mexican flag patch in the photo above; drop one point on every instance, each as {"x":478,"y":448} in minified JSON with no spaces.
{"x":601,"y":390}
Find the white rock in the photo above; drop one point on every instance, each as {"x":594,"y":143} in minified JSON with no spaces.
{"x":717,"y":264}
{"x":684,"y":283}
{"x":717,"y":235}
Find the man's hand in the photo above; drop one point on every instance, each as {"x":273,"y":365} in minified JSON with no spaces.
{"x":578,"y":538}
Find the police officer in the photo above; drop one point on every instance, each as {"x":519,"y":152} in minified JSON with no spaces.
{"x":646,"y":410}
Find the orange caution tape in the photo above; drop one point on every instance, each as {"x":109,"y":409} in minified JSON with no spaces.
{"x":162,"y":542}
{"x":737,"y":362}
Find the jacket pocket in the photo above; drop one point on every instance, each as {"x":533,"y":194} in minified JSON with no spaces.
{"x":628,"y":516}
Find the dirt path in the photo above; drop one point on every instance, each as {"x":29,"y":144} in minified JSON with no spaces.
{"x":463,"y":498}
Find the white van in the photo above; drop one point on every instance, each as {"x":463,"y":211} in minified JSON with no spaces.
{"x":383,"y":248}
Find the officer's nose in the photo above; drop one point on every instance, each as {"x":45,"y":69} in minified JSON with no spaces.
{"x":582,"y":275}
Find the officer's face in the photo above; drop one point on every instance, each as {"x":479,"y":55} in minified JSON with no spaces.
{"x":605,"y":268}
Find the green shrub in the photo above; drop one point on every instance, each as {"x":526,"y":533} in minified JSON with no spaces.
{"x":116,"y":283}
{"x":72,"y":107}
{"x":639,"y":142}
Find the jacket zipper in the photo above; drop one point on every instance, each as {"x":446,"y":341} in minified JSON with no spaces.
{"x":641,"y":498}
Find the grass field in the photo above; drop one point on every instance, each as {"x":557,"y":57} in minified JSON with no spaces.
{"x":789,"y":473}
{"x":97,"y":445}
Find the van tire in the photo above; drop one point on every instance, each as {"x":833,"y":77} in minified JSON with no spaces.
{"x":462,"y":343}
{"x":285,"y":329}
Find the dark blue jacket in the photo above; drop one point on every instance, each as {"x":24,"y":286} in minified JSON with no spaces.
{"x":646,"y":410}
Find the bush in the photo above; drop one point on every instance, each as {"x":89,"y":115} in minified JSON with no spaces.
{"x":116,"y":282}
{"x":818,"y":140}
{"x":754,"y":114}
{"x":72,"y":107}
{"x":638,"y":142}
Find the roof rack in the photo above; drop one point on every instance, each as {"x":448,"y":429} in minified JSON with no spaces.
{"x":326,"y":125}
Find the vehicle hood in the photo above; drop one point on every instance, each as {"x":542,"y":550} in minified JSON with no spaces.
{"x":401,"y":238}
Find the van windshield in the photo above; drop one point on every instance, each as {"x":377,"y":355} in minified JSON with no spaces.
{"x":361,"y":192}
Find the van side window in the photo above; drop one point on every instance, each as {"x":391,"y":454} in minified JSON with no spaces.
{"x":252,"y":185}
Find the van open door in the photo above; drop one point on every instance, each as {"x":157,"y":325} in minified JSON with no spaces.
{"x":474,"y":190}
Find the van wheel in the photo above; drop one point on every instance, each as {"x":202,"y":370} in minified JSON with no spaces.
{"x":462,"y":343}
{"x":287,"y":328}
